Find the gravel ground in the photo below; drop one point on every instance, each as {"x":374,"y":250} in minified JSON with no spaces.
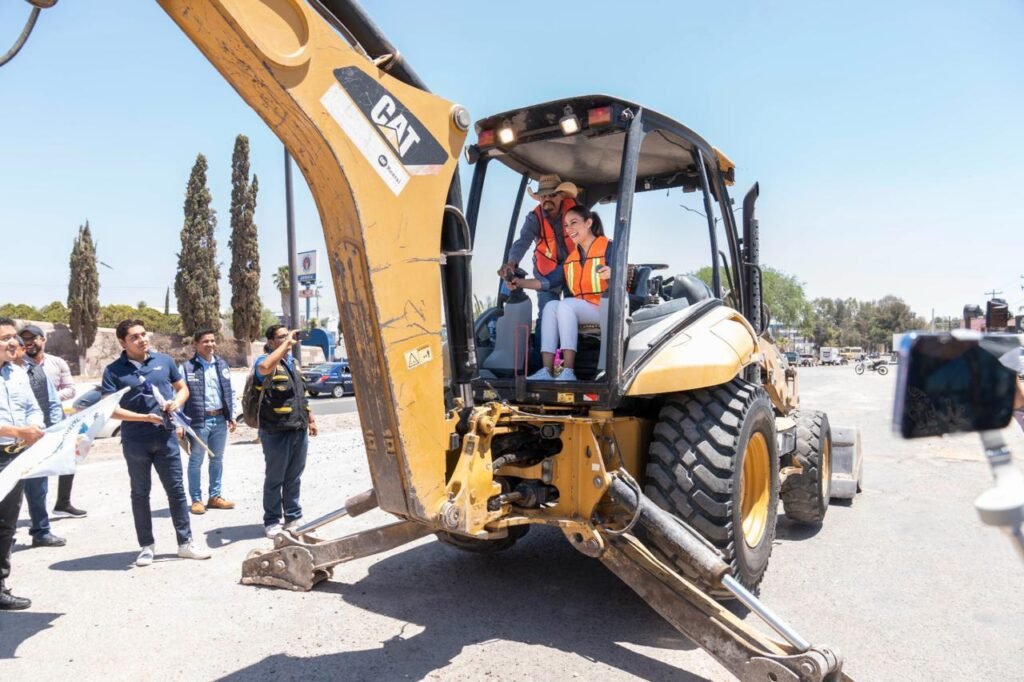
{"x":905,"y":582}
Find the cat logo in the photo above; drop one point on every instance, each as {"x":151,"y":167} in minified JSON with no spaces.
{"x":393,"y":126}
{"x":417,"y":150}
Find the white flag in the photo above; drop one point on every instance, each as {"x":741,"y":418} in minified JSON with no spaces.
{"x":62,"y":446}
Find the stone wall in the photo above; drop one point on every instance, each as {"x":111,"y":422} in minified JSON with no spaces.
{"x":106,"y":348}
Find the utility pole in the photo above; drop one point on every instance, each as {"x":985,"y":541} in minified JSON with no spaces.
{"x":307,"y":305}
{"x":993,"y":293}
{"x":293,"y":266}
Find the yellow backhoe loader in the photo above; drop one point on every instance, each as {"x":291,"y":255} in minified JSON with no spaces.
{"x":665,"y":461}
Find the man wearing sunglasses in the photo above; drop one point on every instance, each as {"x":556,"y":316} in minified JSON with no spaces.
{"x":286,"y":423}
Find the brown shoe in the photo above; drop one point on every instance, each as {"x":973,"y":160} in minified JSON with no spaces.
{"x":197,"y":508}
{"x":219,"y":503}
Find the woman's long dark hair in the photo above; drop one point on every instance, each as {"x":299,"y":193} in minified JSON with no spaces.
{"x":597,"y":229}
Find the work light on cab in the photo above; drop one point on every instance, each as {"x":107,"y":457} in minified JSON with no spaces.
{"x":569,"y":123}
{"x":506,"y":136}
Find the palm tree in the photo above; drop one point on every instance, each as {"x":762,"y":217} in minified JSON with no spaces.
{"x":282,"y":281}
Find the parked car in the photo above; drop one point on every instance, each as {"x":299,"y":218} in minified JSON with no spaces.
{"x":808,"y":360}
{"x":792,"y":358}
{"x":330,"y":377}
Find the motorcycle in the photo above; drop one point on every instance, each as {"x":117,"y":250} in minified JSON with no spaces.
{"x":878,"y":365}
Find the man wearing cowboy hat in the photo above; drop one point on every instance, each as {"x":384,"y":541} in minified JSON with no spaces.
{"x":543,"y":228}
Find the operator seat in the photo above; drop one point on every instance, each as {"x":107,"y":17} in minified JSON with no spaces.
{"x":693,"y":289}
{"x":511,"y":340}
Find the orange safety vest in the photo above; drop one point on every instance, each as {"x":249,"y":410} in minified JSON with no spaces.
{"x":545,"y":251}
{"x":581,"y":273}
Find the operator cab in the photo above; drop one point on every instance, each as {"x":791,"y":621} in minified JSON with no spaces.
{"x":614,"y":151}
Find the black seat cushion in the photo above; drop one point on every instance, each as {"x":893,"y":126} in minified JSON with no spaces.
{"x":646,"y":317}
{"x":690,"y":287}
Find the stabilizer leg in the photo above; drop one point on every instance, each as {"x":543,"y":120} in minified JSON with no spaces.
{"x":300,"y":563}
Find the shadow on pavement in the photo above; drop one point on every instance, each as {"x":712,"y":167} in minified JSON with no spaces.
{"x":18,"y":626}
{"x":221,"y":537}
{"x":540,"y":593}
{"x":118,"y":561}
{"x":790,"y":530}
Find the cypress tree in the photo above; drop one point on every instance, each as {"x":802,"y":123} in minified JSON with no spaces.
{"x":246,"y":307}
{"x":167,"y":301}
{"x":196,"y":283}
{"x":83,"y":292}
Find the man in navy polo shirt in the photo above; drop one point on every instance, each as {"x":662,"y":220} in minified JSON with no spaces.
{"x":147,"y":436}
{"x":209,"y":407}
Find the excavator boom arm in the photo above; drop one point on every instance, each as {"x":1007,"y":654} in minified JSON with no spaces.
{"x":379,"y":156}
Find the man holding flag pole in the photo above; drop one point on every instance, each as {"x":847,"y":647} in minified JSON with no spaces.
{"x":156,"y":391}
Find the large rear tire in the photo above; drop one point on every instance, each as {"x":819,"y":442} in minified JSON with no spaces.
{"x":805,"y":495}
{"x":713,"y":462}
{"x":882,"y":370}
{"x":859,"y":368}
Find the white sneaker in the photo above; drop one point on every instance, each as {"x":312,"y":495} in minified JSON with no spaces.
{"x":566,"y":375}
{"x":272,"y":530}
{"x":293,"y":524}
{"x":145,"y":557}
{"x":541,"y":374}
{"x":190,"y":551}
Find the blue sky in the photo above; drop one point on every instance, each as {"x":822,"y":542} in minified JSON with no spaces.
{"x":886,"y":136}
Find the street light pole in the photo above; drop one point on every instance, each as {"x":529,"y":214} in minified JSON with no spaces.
{"x":293,"y":266}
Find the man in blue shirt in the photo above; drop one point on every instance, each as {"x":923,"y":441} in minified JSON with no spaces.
{"x":147,"y":436}
{"x":36,"y":488}
{"x":21,"y":423}
{"x":284,"y":421}
{"x":210,"y":400}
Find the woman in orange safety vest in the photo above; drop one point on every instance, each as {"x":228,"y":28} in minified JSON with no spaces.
{"x":587,"y":272}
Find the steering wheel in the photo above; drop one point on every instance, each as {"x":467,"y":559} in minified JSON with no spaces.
{"x":653,"y":266}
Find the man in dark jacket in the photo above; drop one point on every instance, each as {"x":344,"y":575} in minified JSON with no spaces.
{"x":209,"y":406}
{"x":285,"y":420}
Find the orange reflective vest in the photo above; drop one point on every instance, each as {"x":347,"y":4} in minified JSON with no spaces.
{"x":545,"y":251}
{"x":581,"y":272}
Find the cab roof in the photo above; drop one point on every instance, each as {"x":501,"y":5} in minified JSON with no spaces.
{"x":592,"y":157}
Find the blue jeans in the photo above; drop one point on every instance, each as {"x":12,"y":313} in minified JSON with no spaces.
{"x":35,"y":497}
{"x":285,"y":455}
{"x":155,"y":448}
{"x":214,"y":432}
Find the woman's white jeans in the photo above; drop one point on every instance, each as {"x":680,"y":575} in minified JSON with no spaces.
{"x":560,"y":321}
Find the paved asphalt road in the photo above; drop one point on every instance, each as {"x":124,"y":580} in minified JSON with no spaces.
{"x":328,"y":405}
{"x":904,"y":581}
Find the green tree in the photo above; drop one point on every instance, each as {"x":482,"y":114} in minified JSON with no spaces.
{"x":19,"y":311}
{"x":167,"y":301}
{"x":55,"y":312}
{"x":283,"y":284}
{"x":154,"y":320}
{"x":244,"y":274}
{"x":196,"y":283}
{"x":83,"y":292}
{"x":267,"y":318}
{"x":783,"y":294}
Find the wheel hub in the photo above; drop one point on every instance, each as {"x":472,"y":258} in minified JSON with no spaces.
{"x":755,"y":481}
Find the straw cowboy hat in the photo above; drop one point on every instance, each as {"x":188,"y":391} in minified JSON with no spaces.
{"x":552,"y":184}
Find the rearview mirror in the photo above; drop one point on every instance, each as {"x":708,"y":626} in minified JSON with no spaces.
{"x":959,"y":381}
